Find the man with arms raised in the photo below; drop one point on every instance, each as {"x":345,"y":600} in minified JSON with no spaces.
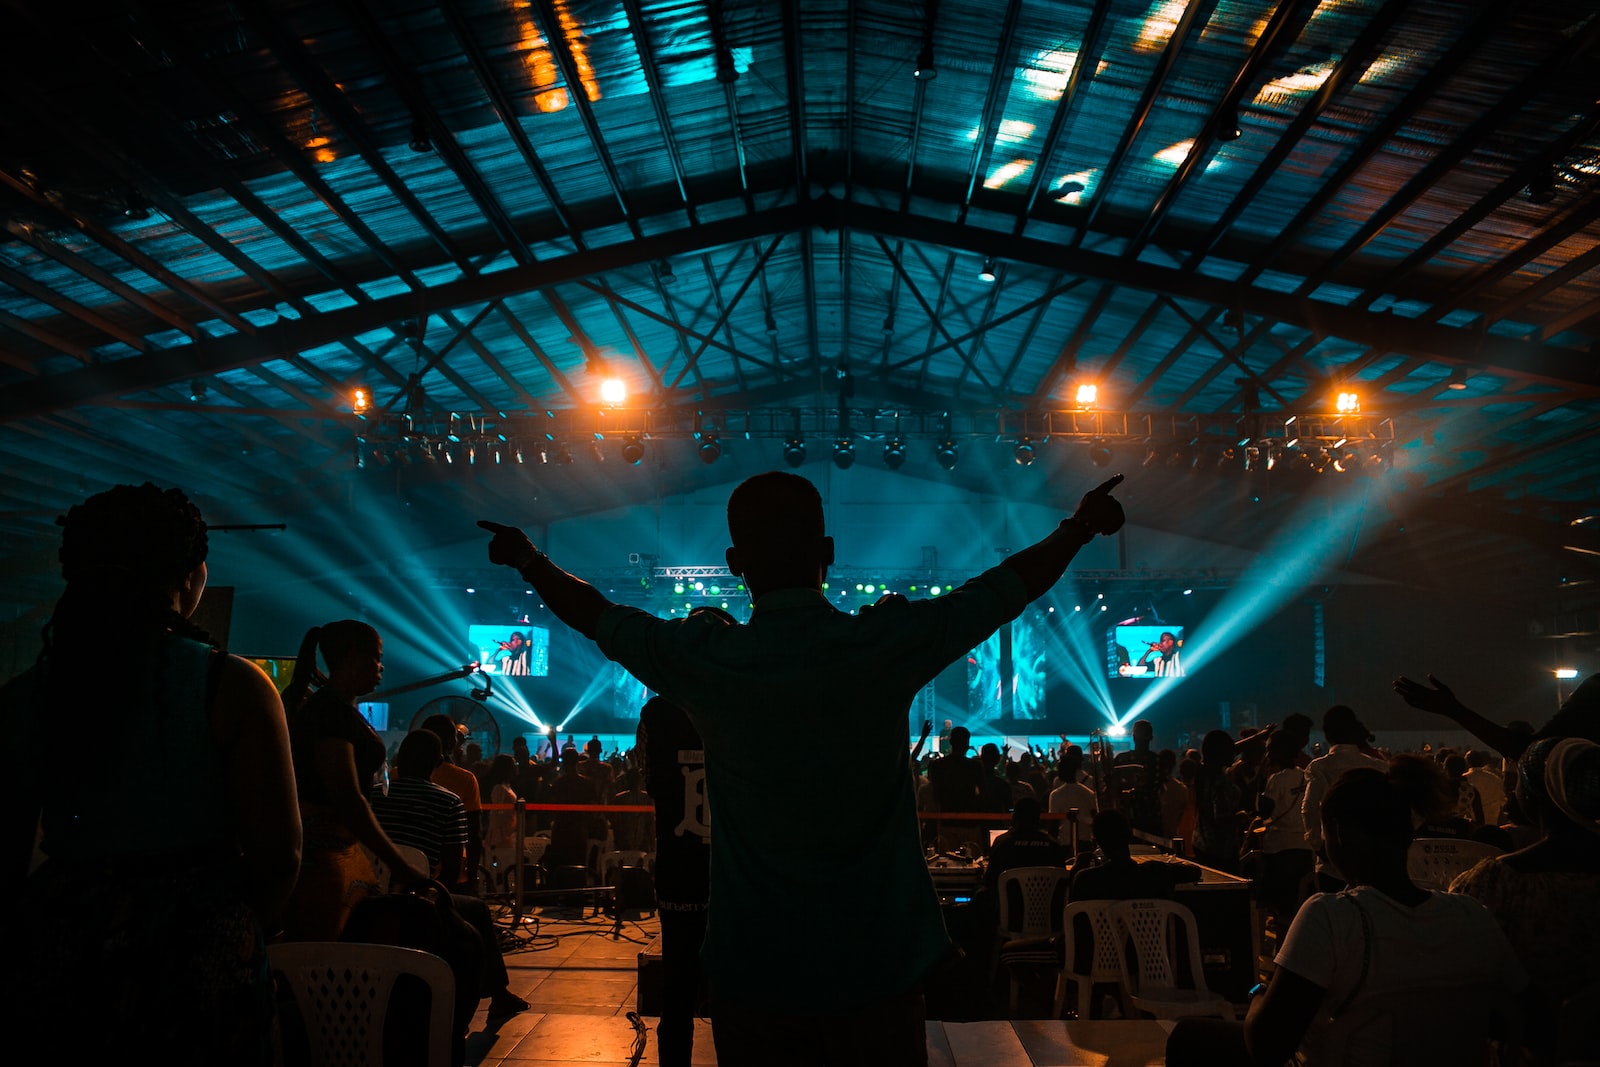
{"x":859,"y":914}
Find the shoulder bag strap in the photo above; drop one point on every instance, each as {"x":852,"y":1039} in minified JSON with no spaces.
{"x":1366,"y":957}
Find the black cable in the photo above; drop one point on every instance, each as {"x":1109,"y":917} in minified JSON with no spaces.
{"x":639,"y":1038}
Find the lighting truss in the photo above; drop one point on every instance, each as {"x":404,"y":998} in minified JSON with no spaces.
{"x":1279,"y":433}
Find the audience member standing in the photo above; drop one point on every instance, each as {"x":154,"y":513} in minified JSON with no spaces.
{"x":500,"y":823}
{"x":775,"y":839}
{"x":1285,"y":857}
{"x":1489,"y":780}
{"x":957,"y":781}
{"x":1070,"y":795}
{"x":673,"y":768}
{"x":1346,"y":734}
{"x":168,"y":867}
{"x":1217,"y":800}
{"x":1546,"y":897}
{"x":337,"y":758}
{"x":1133,"y":779}
{"x":1171,"y":792}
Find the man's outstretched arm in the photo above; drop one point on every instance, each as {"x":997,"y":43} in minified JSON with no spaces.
{"x":574,"y":601}
{"x":1043,"y":563}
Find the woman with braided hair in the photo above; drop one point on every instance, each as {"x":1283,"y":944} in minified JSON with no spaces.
{"x":166,"y":871}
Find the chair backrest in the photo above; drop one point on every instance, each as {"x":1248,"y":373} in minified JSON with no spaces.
{"x":1448,"y":1024}
{"x":1040,"y":891}
{"x":1155,"y":929}
{"x":1433,"y":862}
{"x":621,"y":858}
{"x":414,"y":856}
{"x":1105,"y":964}
{"x":342,"y":991}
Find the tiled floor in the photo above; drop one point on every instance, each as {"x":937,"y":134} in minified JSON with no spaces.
{"x":581,"y":978}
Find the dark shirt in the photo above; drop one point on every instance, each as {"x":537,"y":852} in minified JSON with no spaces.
{"x":326,"y":713}
{"x":1141,"y":803}
{"x":1022,"y":848}
{"x":674,"y":774}
{"x":957,"y":783}
{"x":1122,"y":879}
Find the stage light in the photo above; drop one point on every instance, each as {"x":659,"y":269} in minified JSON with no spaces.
{"x":934,"y":590}
{"x":987,"y":273}
{"x":427,"y":452}
{"x":1152,"y":456}
{"x":1228,"y":129}
{"x":516,"y":452}
{"x":678,"y":588}
{"x":1566,"y":672}
{"x":1116,"y":730}
{"x":1087,"y":394}
{"x":197,"y":390}
{"x":472,"y":453}
{"x":448,"y":451}
{"x":844,"y":453}
{"x":1348,"y":403}
{"x":664,"y":273}
{"x":947,"y":454}
{"x":613,"y":391}
{"x":135,"y":206}
{"x":1099,"y":453}
{"x":1542,"y":186}
{"x":894,"y":454}
{"x":925,"y":70}
{"x":1023,"y":452}
{"x":420,"y":141}
{"x":710,"y":448}
{"x":632,"y":450}
{"x":1188,"y":592}
{"x":360,"y":400}
{"x":794,"y":451}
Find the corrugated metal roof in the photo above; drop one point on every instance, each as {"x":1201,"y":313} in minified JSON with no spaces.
{"x":727,"y":203}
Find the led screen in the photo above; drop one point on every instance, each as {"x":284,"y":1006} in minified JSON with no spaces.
{"x":515,"y":651}
{"x":1144,"y":651}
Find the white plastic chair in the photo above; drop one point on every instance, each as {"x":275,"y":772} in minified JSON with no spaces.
{"x":1041,"y":892}
{"x":414,"y":856}
{"x":1434,"y":862}
{"x":342,"y":992}
{"x":1105,"y":957}
{"x":1156,"y":928}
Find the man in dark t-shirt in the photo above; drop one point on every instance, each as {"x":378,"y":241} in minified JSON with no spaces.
{"x":673,"y":770}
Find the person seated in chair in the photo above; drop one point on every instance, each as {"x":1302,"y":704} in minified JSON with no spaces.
{"x":1118,"y":876}
{"x":1024,"y":845}
{"x":1379,"y":938}
{"x":423,"y":815}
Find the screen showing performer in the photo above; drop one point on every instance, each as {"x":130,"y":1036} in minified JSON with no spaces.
{"x":1145,"y":651}
{"x":514,"y":651}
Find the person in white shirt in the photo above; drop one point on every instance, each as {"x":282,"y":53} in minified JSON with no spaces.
{"x":1285,"y":858}
{"x":1346,"y":734}
{"x":1489,"y":781}
{"x":1071,"y":794}
{"x":1376,"y":941}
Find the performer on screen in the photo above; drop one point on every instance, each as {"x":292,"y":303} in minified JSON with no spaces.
{"x":1167,"y":663}
{"x":514,"y":654}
